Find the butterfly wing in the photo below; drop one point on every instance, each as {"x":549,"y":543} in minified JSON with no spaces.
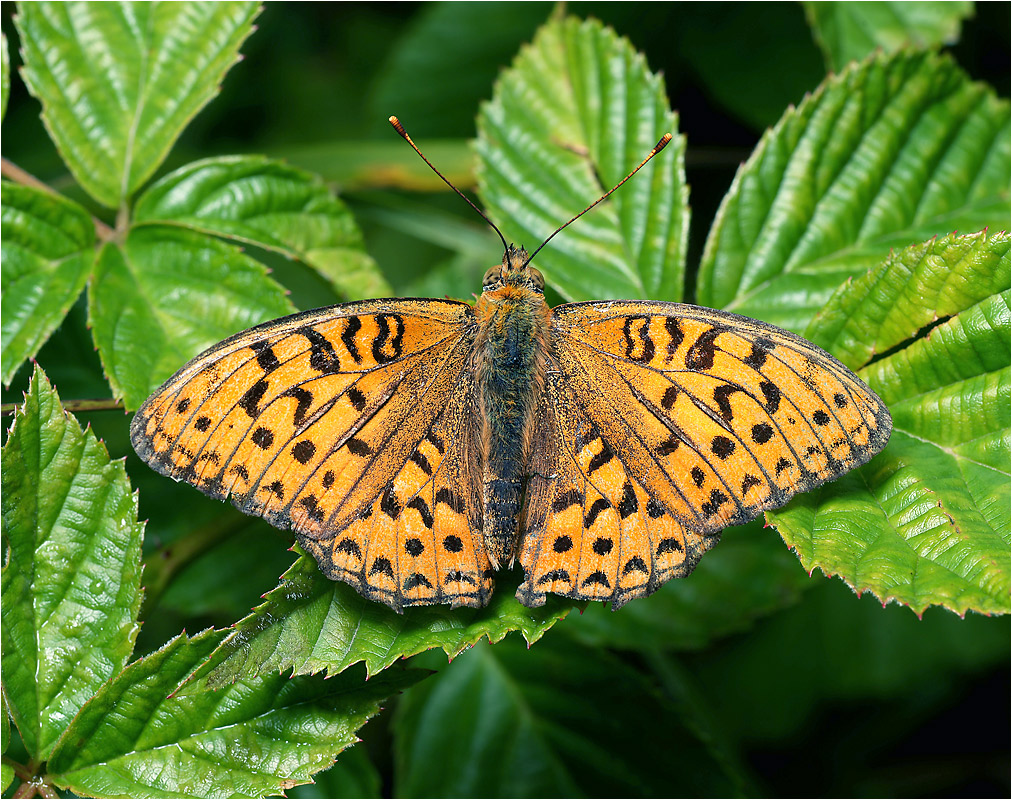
{"x":666,"y":423}
{"x":351,"y":425}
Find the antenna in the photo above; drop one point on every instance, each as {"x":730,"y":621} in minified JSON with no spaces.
{"x":400,"y":129}
{"x":657,"y":148}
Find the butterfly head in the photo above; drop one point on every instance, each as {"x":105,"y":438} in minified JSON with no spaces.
{"x":513,"y":272}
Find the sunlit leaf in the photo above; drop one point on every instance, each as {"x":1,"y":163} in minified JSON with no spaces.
{"x":311,"y":624}
{"x":119,"y":82}
{"x":248,"y":740}
{"x":48,"y":249}
{"x":850,"y":31}
{"x":573,"y":115}
{"x":927,"y":521}
{"x":71,"y":581}
{"x":266,"y":203}
{"x":895,"y":150}
{"x":5,"y":75}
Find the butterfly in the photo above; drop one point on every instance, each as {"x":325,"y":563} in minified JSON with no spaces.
{"x":416,"y":446}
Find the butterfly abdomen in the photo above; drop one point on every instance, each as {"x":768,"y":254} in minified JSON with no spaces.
{"x":510,"y":371}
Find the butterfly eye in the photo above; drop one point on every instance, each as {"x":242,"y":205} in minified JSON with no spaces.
{"x":537,"y":278}
{"x":491,"y":277}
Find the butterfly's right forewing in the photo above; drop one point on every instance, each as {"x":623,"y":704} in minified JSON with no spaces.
{"x":343,"y":424}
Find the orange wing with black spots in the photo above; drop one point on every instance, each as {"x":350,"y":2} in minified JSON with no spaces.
{"x":665,"y":423}
{"x":353,"y":426}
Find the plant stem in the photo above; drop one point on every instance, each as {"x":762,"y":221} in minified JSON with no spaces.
{"x":104,"y":404}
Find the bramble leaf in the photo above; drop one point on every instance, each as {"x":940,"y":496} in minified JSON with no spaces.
{"x":257,"y":201}
{"x":48,"y":249}
{"x":71,"y":584}
{"x":248,"y":740}
{"x":573,"y":115}
{"x":119,"y":82}
{"x":749,"y":575}
{"x":311,"y":624}
{"x":892,"y":151}
{"x":552,"y":721}
{"x":851,"y":31}
{"x":164,"y":295}
{"x":926,"y":522}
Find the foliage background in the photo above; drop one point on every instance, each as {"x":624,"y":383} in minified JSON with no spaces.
{"x":818,"y":688}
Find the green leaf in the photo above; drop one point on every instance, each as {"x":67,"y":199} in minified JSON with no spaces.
{"x":5,"y":76}
{"x":748,"y":576}
{"x":310,"y":624}
{"x":927,"y":521}
{"x":47,"y":251}
{"x":257,"y":201}
{"x":165,"y":295}
{"x":119,"y":82}
{"x":248,"y":740}
{"x":850,"y":31}
{"x":6,"y":770}
{"x":551,"y":721}
{"x":71,"y":584}
{"x":893,"y":151}
{"x":576,"y":112}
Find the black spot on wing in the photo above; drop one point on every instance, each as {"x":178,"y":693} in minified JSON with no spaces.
{"x":356,"y":398}
{"x":419,"y":505}
{"x":322,"y":357}
{"x":451,"y":499}
{"x":351,"y":327}
{"x":303,"y":400}
{"x":567,"y":499}
{"x":761,"y":348}
{"x":628,"y":505}
{"x":554,"y":575}
{"x":266,"y":359}
{"x":250,"y":401}
{"x":772,"y":395}
{"x":703,"y":351}
{"x":721,"y":396}
{"x":598,"y":506}
{"x":602,"y":458}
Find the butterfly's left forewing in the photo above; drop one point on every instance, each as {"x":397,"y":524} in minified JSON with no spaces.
{"x":671,"y":422}
{"x":349,"y":425}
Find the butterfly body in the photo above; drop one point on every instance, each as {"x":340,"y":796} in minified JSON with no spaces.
{"x":415,"y":446}
{"x":511,"y":357}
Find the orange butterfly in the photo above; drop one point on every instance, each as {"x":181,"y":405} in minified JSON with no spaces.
{"x":415,"y":446}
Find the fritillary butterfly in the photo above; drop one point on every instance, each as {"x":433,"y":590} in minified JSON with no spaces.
{"x":416,"y":446}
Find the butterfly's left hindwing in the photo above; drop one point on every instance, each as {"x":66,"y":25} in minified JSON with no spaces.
{"x":342,"y":424}
{"x":670,"y":422}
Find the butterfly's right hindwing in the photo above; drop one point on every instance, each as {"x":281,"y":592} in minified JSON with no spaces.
{"x":340,"y":420}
